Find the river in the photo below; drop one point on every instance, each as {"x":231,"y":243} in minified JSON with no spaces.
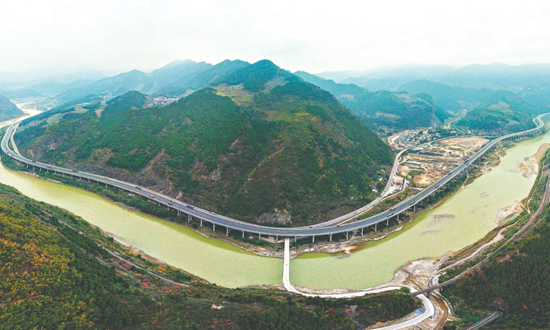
{"x":467,"y":216}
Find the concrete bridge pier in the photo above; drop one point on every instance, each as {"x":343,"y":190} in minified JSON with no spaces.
{"x":313,"y":238}
{"x":201,"y":222}
{"x":362,"y":232}
{"x":347,"y":235}
{"x":330,"y":237}
{"x":189,"y":217}
{"x":387,"y":222}
{"x":227,"y":231}
{"x":213,"y":227}
{"x":243,"y":233}
{"x":375,"y":226}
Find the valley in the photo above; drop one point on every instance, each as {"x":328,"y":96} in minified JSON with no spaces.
{"x":436,"y":155}
{"x":283,"y":165}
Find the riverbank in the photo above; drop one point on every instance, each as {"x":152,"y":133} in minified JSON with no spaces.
{"x":357,"y":269}
{"x":341,"y":247}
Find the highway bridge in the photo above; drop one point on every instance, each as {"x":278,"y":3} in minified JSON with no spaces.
{"x":197,"y":214}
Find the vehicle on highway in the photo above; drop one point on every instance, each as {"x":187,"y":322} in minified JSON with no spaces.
{"x":75,"y":171}
{"x":169,"y":203}
{"x":189,"y":207}
{"x":138,"y":188}
{"x":391,"y":214}
{"x":151,"y":196}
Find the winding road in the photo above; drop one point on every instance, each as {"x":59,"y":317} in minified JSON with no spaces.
{"x":245,"y":227}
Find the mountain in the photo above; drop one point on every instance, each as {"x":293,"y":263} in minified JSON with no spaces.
{"x":172,"y":80}
{"x":503,"y":112}
{"x":9,"y":110}
{"x":201,"y":79}
{"x":132,"y":100}
{"x":383,"y":109}
{"x":455,"y":98}
{"x":112,"y":86}
{"x":259,"y":144}
{"x":492,"y":76}
{"x":177,"y":70}
{"x":496,"y":121}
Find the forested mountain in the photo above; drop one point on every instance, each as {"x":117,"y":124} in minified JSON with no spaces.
{"x":496,"y":119}
{"x":382,"y":108}
{"x":517,"y":282}
{"x":503,"y":112}
{"x":259,"y":144}
{"x":9,"y":110}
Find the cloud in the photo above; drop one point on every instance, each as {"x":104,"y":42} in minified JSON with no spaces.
{"x":298,"y":35}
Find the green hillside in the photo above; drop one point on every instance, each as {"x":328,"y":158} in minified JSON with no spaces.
{"x":499,"y":117}
{"x":262,"y":145}
{"x":383,"y":108}
{"x":55,"y":276}
{"x":9,"y":110}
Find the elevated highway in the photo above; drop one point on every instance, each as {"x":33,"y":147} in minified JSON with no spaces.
{"x":201,"y":215}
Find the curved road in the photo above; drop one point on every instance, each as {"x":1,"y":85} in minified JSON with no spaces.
{"x":234,"y":224}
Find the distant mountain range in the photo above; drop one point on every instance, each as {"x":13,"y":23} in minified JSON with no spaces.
{"x":455,"y":98}
{"x":257,"y":143}
{"x":176,"y":79}
{"x":386,"y":99}
{"x":382,"y":108}
{"x":529,"y":81}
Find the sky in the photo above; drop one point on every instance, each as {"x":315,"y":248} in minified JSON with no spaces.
{"x":314,"y":36}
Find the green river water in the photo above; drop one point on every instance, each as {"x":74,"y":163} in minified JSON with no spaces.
{"x":474,"y":209}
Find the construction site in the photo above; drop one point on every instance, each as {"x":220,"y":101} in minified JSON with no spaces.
{"x":429,"y":162}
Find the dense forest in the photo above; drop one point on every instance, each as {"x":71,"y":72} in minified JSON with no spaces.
{"x":518,"y":282}
{"x":505,"y":120}
{"x":263,"y":145}
{"x":55,"y":276}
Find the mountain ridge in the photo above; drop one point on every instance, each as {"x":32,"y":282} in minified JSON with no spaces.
{"x":278,"y":151}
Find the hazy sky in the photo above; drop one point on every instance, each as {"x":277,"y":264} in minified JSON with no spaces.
{"x":297,"y":35}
